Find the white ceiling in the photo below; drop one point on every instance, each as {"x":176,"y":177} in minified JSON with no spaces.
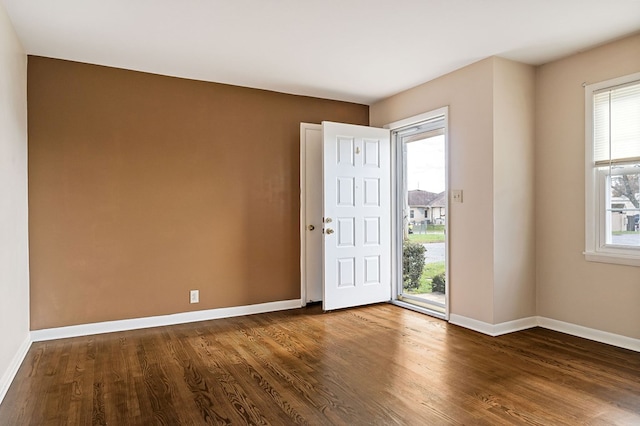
{"x":353,"y":50}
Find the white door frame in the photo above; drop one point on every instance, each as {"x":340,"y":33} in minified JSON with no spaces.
{"x":303,"y":209}
{"x":396,"y":205}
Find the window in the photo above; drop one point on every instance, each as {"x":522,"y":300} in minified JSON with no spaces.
{"x":411,"y":214}
{"x":613,"y":171}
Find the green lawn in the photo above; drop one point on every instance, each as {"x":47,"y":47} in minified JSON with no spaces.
{"x":614,"y":233}
{"x":430,"y":270}
{"x":431,"y":237}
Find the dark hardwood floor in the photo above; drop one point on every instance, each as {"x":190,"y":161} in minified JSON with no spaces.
{"x":373,"y":365}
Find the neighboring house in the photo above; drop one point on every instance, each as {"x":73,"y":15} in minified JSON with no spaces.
{"x":426,"y":206}
{"x":436,"y":210}
{"x":623,"y":218}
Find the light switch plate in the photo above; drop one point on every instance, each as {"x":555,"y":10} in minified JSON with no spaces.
{"x":456,"y":195}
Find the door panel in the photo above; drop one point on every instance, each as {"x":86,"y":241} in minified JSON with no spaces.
{"x":357,"y":212}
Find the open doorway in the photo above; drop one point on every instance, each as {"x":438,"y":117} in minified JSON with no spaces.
{"x":411,"y":187}
{"x":421,"y":225}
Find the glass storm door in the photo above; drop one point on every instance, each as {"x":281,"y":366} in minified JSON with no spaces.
{"x":422,"y":170}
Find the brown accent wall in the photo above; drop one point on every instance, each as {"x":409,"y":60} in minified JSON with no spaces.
{"x":142,"y":187}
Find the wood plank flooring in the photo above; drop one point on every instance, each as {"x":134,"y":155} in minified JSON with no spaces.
{"x":375,"y":365}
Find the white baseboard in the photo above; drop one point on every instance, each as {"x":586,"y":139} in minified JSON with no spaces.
{"x":493,"y":329}
{"x":590,"y":333}
{"x":16,"y":362}
{"x":548,"y":323}
{"x":162,"y":320}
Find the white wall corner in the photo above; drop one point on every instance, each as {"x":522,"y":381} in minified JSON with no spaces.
{"x":16,"y":362}
{"x":590,"y":333}
{"x":162,"y":320}
{"x":515,"y":325}
{"x":548,"y":323}
{"x":493,"y":329}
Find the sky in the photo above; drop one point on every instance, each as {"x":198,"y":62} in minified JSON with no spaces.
{"x":426,"y":164}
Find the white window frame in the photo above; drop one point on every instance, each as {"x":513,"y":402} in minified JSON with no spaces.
{"x":596,"y":200}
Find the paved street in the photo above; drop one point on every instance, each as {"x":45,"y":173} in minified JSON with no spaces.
{"x":626,"y":239}
{"x":434,"y":253}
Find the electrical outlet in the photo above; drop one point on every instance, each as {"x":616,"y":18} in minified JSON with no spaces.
{"x":194,"y":296}
{"x":456,"y":195}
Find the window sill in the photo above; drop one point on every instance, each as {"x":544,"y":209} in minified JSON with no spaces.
{"x":615,"y":258}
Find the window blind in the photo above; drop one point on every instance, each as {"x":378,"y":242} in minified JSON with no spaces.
{"x":616,"y":123}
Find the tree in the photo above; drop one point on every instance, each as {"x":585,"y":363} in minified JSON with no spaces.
{"x":627,"y":185}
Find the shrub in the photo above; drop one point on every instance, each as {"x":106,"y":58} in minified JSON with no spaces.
{"x":412,"y":264}
{"x":437,"y":283}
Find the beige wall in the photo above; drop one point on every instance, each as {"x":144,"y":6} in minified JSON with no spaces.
{"x":506,"y":145}
{"x":469,"y":94}
{"x":601,"y":296}
{"x":514,"y":290}
{"x":142,"y":187}
{"x":491,"y":136}
{"x":14,"y":262}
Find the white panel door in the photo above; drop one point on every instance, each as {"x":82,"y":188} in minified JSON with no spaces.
{"x":357,"y":215}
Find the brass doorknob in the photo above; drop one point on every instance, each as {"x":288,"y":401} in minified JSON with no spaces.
{"x":329,"y":231}
{"x":311,"y":227}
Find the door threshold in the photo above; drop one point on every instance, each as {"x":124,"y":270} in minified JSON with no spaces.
{"x":421,"y":309}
